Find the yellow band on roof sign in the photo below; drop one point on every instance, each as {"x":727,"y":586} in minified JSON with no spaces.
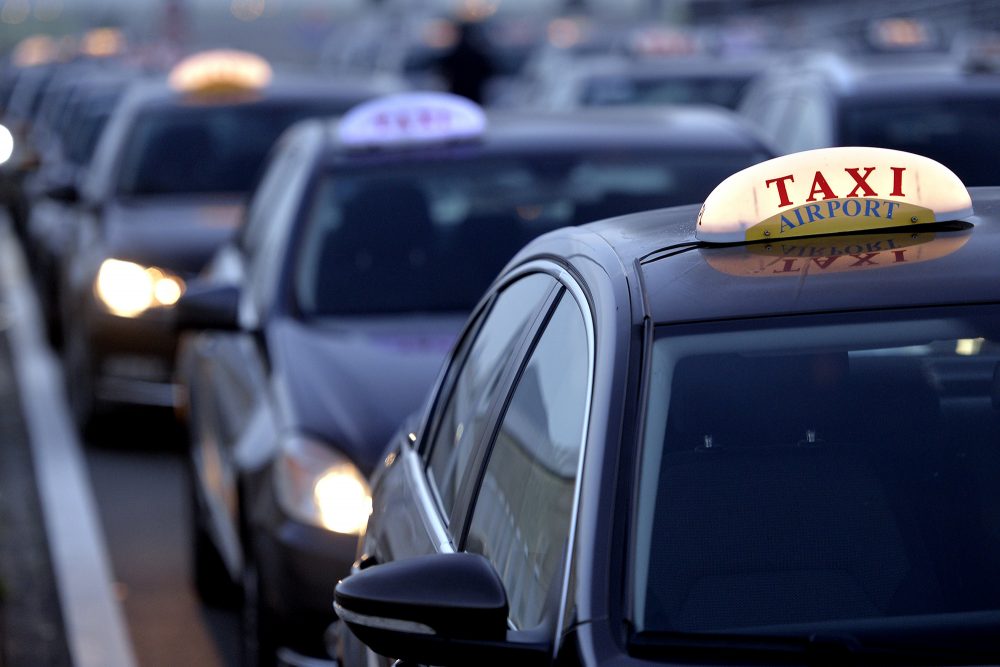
{"x":831,"y":191}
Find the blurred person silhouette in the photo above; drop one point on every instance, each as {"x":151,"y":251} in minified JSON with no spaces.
{"x":468,"y":65}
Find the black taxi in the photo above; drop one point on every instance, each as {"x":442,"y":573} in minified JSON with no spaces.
{"x":324,"y":323}
{"x":758,"y":431}
{"x":163,"y":191}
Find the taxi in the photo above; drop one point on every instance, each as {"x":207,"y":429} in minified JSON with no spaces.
{"x":758,"y":430}
{"x":932,"y":104}
{"x":164,"y":190}
{"x":323,"y":325}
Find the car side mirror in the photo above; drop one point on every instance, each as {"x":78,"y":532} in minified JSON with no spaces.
{"x":442,"y":609}
{"x":66,"y":193}
{"x":209,"y":306}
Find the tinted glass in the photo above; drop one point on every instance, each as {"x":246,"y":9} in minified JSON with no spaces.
{"x":958,"y":133}
{"x":719,"y":90}
{"x":828,"y":474}
{"x":204,"y":149}
{"x":522,"y":513}
{"x":479,"y":371}
{"x":383,"y":240}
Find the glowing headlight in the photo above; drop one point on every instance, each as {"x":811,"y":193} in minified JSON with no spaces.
{"x":319,"y":486}
{"x":6,"y":144}
{"x":128,"y":289}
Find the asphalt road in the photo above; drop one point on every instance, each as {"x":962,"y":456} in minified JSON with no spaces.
{"x":139,"y":481}
{"x":137,"y":478}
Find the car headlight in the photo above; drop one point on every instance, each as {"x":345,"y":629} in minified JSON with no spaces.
{"x":6,"y":144}
{"x":128,"y":289}
{"x":317,"y":485}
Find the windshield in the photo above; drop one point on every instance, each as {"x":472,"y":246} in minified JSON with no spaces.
{"x":828,"y":474}
{"x":205,"y":149}
{"x":956,"y":132}
{"x":720,"y":90}
{"x":383,"y":239}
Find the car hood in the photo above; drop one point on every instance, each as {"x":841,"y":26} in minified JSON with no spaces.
{"x":180,"y":234}
{"x":352,"y":382}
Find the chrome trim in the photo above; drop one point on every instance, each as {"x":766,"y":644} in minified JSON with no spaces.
{"x":381,"y":623}
{"x":427,"y":507}
{"x":569,"y":281}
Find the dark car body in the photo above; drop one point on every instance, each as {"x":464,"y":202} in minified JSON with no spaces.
{"x":164,"y":191}
{"x":737,"y":532}
{"x":343,"y":375}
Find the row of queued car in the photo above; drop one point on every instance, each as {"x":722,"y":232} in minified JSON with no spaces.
{"x":317,"y":314}
{"x":583,"y":320}
{"x":289,"y":263}
{"x":327,"y":320}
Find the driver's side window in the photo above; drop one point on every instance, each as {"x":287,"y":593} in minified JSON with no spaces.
{"x":477,"y":380}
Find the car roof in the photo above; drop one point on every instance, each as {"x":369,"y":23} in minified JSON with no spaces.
{"x":684,"y":281}
{"x":704,"y":129}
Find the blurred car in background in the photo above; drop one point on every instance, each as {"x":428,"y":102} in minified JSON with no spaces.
{"x":639,"y":65}
{"x":325,"y":321}
{"x":50,"y":220}
{"x":701,"y":436}
{"x":616,"y":81}
{"x":163,"y":191}
{"x":39,"y":80}
{"x":939,"y":107}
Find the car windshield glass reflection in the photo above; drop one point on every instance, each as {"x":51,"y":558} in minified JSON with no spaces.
{"x":956,"y":132}
{"x":205,"y":149}
{"x":722,"y":91}
{"x":831,"y":475}
{"x":385,"y":239}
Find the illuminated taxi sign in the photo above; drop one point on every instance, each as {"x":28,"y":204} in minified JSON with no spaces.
{"x":220,"y":71}
{"x":838,"y":254}
{"x":411,"y":119}
{"x":831,"y":191}
{"x":103,"y":42}
{"x":899,"y":34}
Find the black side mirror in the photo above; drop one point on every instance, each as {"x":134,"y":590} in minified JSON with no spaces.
{"x":209,"y":306}
{"x":441,"y":609}
{"x":66,"y":193}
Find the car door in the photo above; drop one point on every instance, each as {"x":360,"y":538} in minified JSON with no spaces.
{"x":521,"y":509}
{"x":520,"y":374}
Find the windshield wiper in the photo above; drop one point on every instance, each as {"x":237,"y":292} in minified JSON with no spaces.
{"x":820,"y":650}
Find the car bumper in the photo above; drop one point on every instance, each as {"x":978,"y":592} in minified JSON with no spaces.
{"x":299,"y":566}
{"x":133,"y":358}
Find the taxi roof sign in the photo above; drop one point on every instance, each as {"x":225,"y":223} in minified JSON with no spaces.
{"x":220,"y":71}
{"x":411,"y":119}
{"x":831,"y":191}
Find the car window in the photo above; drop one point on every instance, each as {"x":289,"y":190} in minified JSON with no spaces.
{"x":270,"y":218}
{"x":205,"y":148}
{"x":381,"y":238}
{"x":522,"y":513}
{"x":465,"y":415}
{"x":956,"y":131}
{"x":822,"y":474}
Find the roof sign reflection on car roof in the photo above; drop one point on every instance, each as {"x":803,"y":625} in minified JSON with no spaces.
{"x":831,"y":191}
{"x":841,"y":254}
